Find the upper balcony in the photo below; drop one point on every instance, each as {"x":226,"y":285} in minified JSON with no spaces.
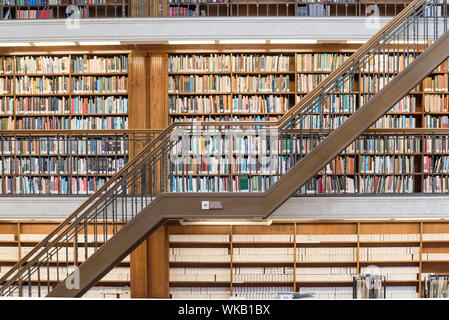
{"x":163,"y":20}
{"x":82,"y":9}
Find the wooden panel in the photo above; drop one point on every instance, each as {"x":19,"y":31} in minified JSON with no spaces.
{"x":138,"y":91}
{"x":326,"y":228}
{"x":272,"y":229}
{"x":8,"y":228}
{"x":179,"y":229}
{"x":158,"y":91}
{"x":436,"y":227}
{"x":158,"y":267}
{"x":376,"y":228}
{"x":37,"y":228}
{"x":138,"y":271}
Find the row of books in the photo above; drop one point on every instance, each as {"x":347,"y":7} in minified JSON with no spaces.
{"x":199,"y":293}
{"x":200,"y":274}
{"x":395,"y":273}
{"x":6,"y":86}
{"x":436,"y":103}
{"x":436,"y":184}
{"x":224,"y":104}
{"x":341,"y":165}
{"x":242,"y":183}
{"x":95,"y":123}
{"x":387,"y":63}
{"x":35,"y":105}
{"x":374,"y":83}
{"x":103,"y":146}
{"x":199,"y":63}
{"x":199,"y":254}
{"x":326,"y":254}
{"x":242,"y":275}
{"x":34,"y":14}
{"x":406,"y":104}
{"x":43,"y":123}
{"x":205,"y":83}
{"x":199,"y":104}
{"x":259,"y":83}
{"x":63,"y":64}
{"x":63,"y":105}
{"x":307,"y":82}
{"x":361,"y":184}
{"x":329,"y":185}
{"x":61,"y":85}
{"x":97,"y":165}
{"x":6,"y":65}
{"x":313,"y":10}
{"x":90,"y":84}
{"x":388,"y":144}
{"x":263,"y":254}
{"x":95,"y":64}
{"x":260,"y":63}
{"x":42,"y":85}
{"x":316,"y":238}
{"x":107,"y":105}
{"x":184,"y":12}
{"x":436,"y":83}
{"x":41,"y":166}
{"x":395,"y":121}
{"x":431,"y":121}
{"x":322,"y":121}
{"x":386,"y":164}
{"x":319,"y":61}
{"x":245,"y":118}
{"x":386,"y":184}
{"x":60,"y":123}
{"x":60,"y":146}
{"x":389,"y":253}
{"x":436,"y":164}
{"x":42,"y":64}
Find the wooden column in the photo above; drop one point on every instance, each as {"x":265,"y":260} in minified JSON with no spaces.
{"x":158,"y":91}
{"x":150,"y":268}
{"x":138,"y":88}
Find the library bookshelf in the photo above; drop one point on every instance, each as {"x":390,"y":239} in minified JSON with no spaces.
{"x":64,"y":92}
{"x":303,"y":256}
{"x":64,"y":162}
{"x":403,"y":152}
{"x":17,"y":238}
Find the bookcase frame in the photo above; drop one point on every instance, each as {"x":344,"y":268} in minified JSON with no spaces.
{"x":19,"y":227}
{"x":67,"y":95}
{"x":295,"y":227}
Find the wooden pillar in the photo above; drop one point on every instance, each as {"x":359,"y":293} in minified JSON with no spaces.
{"x":158,"y":91}
{"x":138,"y":87}
{"x":150,"y":268}
{"x":149,"y":105}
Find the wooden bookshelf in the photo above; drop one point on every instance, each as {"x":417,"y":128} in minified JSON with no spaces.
{"x":68,"y":97}
{"x":24,"y":229}
{"x":403,"y":269}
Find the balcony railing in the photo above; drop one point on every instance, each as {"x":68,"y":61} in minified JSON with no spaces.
{"x":82,"y":9}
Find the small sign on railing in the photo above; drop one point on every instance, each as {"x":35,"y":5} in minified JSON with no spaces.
{"x":211,"y":205}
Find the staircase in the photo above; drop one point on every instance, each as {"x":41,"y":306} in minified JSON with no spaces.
{"x":153,"y":186}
